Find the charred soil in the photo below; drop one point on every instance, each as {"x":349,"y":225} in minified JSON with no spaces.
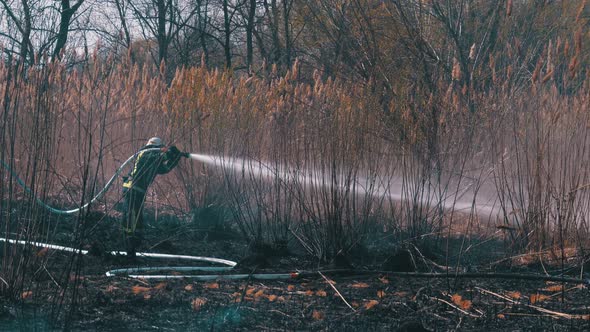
{"x":72,"y":292}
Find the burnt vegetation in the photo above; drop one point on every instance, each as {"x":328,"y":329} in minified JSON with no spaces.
{"x":353,"y":141}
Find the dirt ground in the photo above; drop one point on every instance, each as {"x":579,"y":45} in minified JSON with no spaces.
{"x":82,"y":298}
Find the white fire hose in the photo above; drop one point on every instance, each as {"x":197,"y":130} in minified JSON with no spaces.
{"x":133,"y":272}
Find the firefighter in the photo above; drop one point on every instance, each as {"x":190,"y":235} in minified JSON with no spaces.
{"x":148,"y":164}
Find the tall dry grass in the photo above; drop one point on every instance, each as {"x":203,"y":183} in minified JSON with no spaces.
{"x":344,"y":170}
{"x":540,"y":151}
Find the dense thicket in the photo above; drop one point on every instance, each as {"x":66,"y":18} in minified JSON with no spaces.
{"x":374,"y":118}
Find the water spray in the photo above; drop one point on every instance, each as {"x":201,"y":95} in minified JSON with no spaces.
{"x":259,"y":169}
{"x":256,"y":168}
{"x":313,"y":178}
{"x":227,"y":265}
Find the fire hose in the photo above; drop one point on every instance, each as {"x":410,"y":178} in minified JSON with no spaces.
{"x":227,"y":265}
{"x":72,"y":211}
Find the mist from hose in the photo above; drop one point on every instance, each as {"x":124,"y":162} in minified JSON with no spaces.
{"x":395,"y":188}
{"x":462,"y":200}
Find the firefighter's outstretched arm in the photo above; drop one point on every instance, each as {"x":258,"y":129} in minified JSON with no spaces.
{"x":171,"y":158}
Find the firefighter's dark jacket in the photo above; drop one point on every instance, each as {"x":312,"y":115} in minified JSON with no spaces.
{"x":148,"y":164}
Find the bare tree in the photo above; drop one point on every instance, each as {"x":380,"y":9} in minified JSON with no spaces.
{"x":37,"y":27}
{"x":163,"y":20}
{"x":203,"y":19}
{"x":227,"y":18}
{"x":273,"y":15}
{"x":66,"y":14}
{"x":250,"y":21}
{"x":23,"y":26}
{"x":121,"y":6}
{"x":287,"y":6}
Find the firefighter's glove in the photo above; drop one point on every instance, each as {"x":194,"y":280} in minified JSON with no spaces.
{"x":173,"y":149}
{"x":173,"y":152}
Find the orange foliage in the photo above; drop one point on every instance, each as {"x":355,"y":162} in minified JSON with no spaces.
{"x":370,"y":304}
{"x":514,"y":295}
{"x":42,"y":252}
{"x":211,"y":286}
{"x":554,"y":288}
{"x":140,"y":289}
{"x":460,"y":302}
{"x":317,"y":315}
{"x":536,"y":298}
{"x":198,"y":303}
{"x":259,"y":294}
{"x":360,"y":285}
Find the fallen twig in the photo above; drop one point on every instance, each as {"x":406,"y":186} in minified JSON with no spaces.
{"x":472,"y":275}
{"x":50,"y":276}
{"x":566,"y":291}
{"x":525,"y":315}
{"x":336,"y":290}
{"x":4,"y":281}
{"x":280,"y":312}
{"x":467,"y":313}
{"x":540,"y":309}
{"x":431,"y":262}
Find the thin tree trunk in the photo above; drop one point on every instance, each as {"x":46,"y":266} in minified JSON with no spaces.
{"x":202,"y":15}
{"x":67,"y":12}
{"x":162,"y":39}
{"x":226,"y":24}
{"x":26,"y":38}
{"x":286,"y":10}
{"x":249,"y":33}
{"x":260,"y":42}
{"x":121,"y":11}
{"x":272,"y":13}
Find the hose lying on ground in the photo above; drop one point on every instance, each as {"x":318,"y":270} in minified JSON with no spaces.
{"x":229,"y":265}
{"x":131,"y":272}
{"x":128,"y":271}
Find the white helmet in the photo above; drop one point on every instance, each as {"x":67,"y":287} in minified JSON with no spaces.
{"x":155,"y":141}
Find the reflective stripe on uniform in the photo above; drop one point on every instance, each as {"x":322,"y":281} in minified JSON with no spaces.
{"x":129,"y":184}
{"x":134,"y":172}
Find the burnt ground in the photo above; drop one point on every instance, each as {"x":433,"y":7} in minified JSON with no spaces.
{"x":350,"y":303}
